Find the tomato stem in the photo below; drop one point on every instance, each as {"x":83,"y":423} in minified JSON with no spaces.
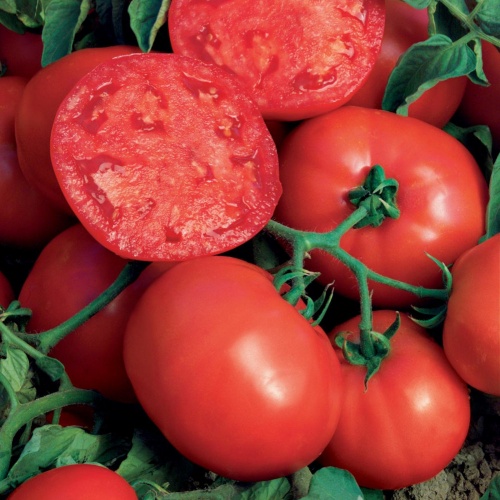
{"x":47,"y":339}
{"x":23,"y":413}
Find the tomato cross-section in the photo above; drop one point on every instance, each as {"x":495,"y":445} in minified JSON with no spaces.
{"x":164,"y":157}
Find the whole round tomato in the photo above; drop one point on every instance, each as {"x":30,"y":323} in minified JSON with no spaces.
{"x":233,"y":376}
{"x":471,"y":331}
{"x":11,"y":90}
{"x":442,"y":203}
{"x":412,"y":419}
{"x":6,"y":291}
{"x":404,"y":26}
{"x":76,"y":481}
{"x":20,"y":53}
{"x":37,"y":109}
{"x":476,"y":107}
{"x":70,"y":272}
{"x":27,"y":221}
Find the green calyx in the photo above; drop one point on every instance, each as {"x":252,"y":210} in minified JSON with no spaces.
{"x":378,"y":196}
{"x":371,"y":351}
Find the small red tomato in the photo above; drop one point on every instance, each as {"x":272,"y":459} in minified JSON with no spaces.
{"x":75,"y":482}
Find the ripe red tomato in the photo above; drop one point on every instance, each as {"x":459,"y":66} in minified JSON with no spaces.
{"x":27,"y":221}
{"x":442,"y":202}
{"x":299,"y":59}
{"x":479,"y":105}
{"x":234,"y":377}
{"x":11,"y":90}
{"x":6,"y":292}
{"x":404,"y":26}
{"x":20,"y":53}
{"x":37,"y":109}
{"x":71,"y":271}
{"x":76,"y":481}
{"x":413,"y":418}
{"x":149,"y":184}
{"x":471,"y":332}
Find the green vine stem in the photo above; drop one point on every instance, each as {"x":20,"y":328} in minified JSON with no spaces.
{"x":21,"y":414}
{"x":45,"y":341}
{"x":375,"y":201}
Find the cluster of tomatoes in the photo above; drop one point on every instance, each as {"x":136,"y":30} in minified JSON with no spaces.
{"x":233,"y":375}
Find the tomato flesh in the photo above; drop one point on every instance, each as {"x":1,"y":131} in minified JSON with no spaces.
{"x":298,"y":58}
{"x":163,"y":157}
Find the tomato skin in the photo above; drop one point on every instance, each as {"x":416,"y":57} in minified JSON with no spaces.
{"x":337,"y":150}
{"x":20,"y":53}
{"x":413,"y":418}
{"x":297,"y":60}
{"x":76,"y":481}
{"x":6,"y":291}
{"x":27,"y":221}
{"x":37,"y":109}
{"x":476,"y":106}
{"x":232,"y":375}
{"x":471,"y":332}
{"x":71,"y":271}
{"x":404,"y":26}
{"x":11,"y":90}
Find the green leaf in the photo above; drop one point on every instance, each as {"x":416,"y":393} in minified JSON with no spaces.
{"x":29,"y":14}
{"x":330,"y":483}
{"x":15,"y":368}
{"x":493,"y":491}
{"x":146,"y":18}
{"x":442,"y":21}
{"x":422,"y":66}
{"x":151,"y":458}
{"x":488,"y":16}
{"x":419,"y":4}
{"x":63,"y":19}
{"x":52,"y":446}
{"x":478,"y":140}
{"x":51,"y":366}
{"x":493,"y":209}
{"x":369,"y":494}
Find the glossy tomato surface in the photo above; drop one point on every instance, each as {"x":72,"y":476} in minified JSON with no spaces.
{"x":75,"y":482}
{"x":37,"y":109}
{"x":298,"y":59}
{"x":148,"y":183}
{"x":27,"y":221}
{"x":20,"y":53}
{"x":70,"y":272}
{"x":413,"y":418}
{"x":442,"y":196}
{"x":471,"y":332}
{"x":404,"y":26}
{"x":234,"y":377}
